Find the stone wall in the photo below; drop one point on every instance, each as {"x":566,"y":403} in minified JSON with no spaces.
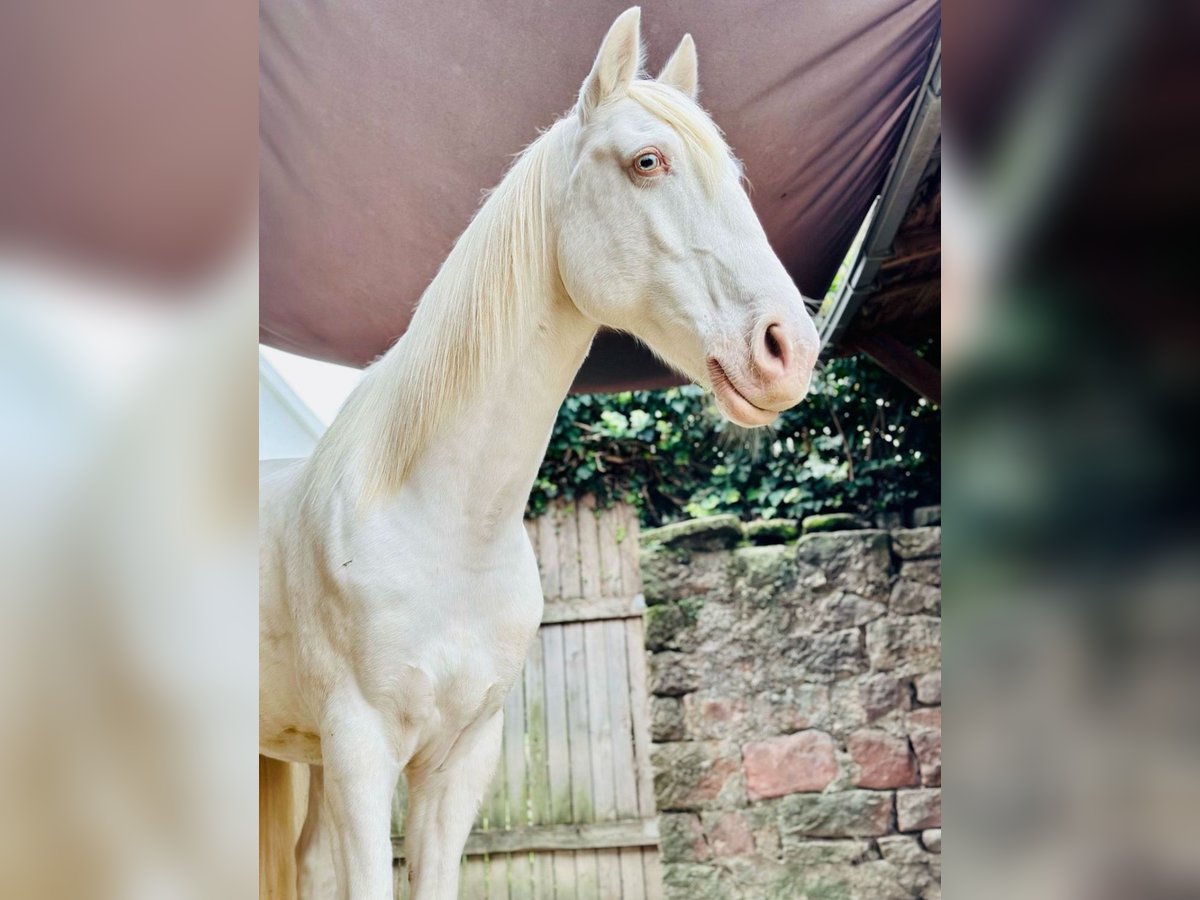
{"x":796,"y":710}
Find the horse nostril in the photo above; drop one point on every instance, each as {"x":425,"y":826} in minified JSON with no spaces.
{"x":776,"y":344}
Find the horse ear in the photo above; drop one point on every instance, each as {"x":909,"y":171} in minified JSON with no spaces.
{"x":681,"y":71}
{"x":617,"y":63}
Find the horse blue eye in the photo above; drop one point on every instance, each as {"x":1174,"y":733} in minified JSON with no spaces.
{"x":647,"y":162}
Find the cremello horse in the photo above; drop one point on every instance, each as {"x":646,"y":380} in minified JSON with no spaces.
{"x":400,"y":593}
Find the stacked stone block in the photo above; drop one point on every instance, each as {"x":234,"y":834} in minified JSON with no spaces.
{"x":796,"y":710}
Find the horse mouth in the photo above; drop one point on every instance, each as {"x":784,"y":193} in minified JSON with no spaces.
{"x":733,"y":403}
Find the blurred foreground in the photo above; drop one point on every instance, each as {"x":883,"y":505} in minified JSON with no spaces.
{"x":128,"y":620}
{"x":128,"y":304}
{"x":1072,"y":572}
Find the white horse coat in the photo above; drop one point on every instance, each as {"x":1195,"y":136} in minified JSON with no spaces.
{"x":399,"y":591}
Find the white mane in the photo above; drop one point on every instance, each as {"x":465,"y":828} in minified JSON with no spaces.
{"x":472,"y":314}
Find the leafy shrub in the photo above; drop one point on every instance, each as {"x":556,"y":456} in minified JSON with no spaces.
{"x":861,"y":442}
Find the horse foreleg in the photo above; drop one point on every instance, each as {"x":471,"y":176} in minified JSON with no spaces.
{"x":360,"y":777}
{"x":314,"y":850}
{"x":442,"y":803}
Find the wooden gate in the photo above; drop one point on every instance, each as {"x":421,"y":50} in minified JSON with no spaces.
{"x":571,"y":813}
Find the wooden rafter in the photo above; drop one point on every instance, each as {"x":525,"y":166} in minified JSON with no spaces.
{"x":901,"y":362}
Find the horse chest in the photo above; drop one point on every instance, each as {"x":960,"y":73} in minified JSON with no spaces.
{"x":439,"y":653}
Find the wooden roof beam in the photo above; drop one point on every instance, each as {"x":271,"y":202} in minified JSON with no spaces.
{"x":901,"y":362}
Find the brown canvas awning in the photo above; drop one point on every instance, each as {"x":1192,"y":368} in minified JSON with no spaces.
{"x":384,"y":120}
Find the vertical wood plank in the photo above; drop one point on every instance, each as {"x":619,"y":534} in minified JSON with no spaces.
{"x":495,"y":810}
{"x":520,"y":877}
{"x":652,"y":866}
{"x":608,"y":867}
{"x":627,"y":542}
{"x":516,"y":806}
{"x":567,"y":528}
{"x":600,"y":733}
{"x":564,"y":874}
{"x":536,"y":733}
{"x":543,"y":876}
{"x":639,"y":709}
{"x":587,"y":878}
{"x":548,"y":556}
{"x":497,"y":877}
{"x":473,"y":885}
{"x":633,"y":875}
{"x":589,"y":547}
{"x":578,"y":725}
{"x":620,"y":694}
{"x":558,"y":753}
{"x":609,"y":523}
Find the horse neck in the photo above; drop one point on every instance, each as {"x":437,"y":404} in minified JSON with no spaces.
{"x":456,"y":416}
{"x":477,"y":473}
